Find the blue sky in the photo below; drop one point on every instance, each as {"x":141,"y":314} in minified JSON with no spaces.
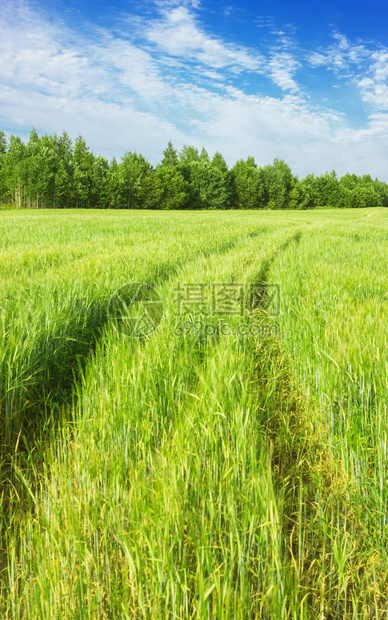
{"x":304,"y":82}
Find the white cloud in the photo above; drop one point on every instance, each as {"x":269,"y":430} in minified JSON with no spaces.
{"x":130,"y":66}
{"x":374,"y":88}
{"x":178,"y":82}
{"x":282,"y":66}
{"x":340,"y":55}
{"x":367,"y":68}
{"x":178,"y":34}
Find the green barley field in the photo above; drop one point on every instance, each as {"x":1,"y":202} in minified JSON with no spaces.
{"x":225,"y":458}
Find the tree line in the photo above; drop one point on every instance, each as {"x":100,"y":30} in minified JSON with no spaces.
{"x":49,"y":171}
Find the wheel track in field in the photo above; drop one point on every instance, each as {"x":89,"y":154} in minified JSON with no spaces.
{"x":297,"y":456}
{"x":53,"y":383}
{"x":263,"y":273}
{"x":52,"y":394}
{"x":283,"y":430}
{"x":262,"y":276}
{"x":291,"y":450}
{"x":52,"y":387}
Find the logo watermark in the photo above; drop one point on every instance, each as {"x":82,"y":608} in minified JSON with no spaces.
{"x":226,"y":298}
{"x":199,"y":309}
{"x":205,"y":329}
{"x":136,"y":309}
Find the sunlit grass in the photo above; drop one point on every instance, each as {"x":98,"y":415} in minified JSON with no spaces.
{"x":190,"y":476}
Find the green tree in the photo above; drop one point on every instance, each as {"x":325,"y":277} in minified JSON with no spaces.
{"x":247,"y":185}
{"x":165,"y":188}
{"x":133,"y":171}
{"x":170,"y":156}
{"x":208,"y":187}
{"x":83,"y":171}
{"x":3,"y":150}
{"x":99,"y":186}
{"x":113,"y":185}
{"x":204,"y":156}
{"x":278,"y":182}
{"x":327,"y":190}
{"x":220,"y":164}
{"x":34,"y":173}
{"x":301,"y":196}
{"x":381,"y":189}
{"x":188,"y":154}
{"x":3,"y":142}
{"x":366,"y":196}
{"x":14,"y":170}
{"x":64,"y":182}
{"x":46,"y":182}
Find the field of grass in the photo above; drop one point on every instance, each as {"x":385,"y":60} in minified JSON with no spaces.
{"x":194,"y":472}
